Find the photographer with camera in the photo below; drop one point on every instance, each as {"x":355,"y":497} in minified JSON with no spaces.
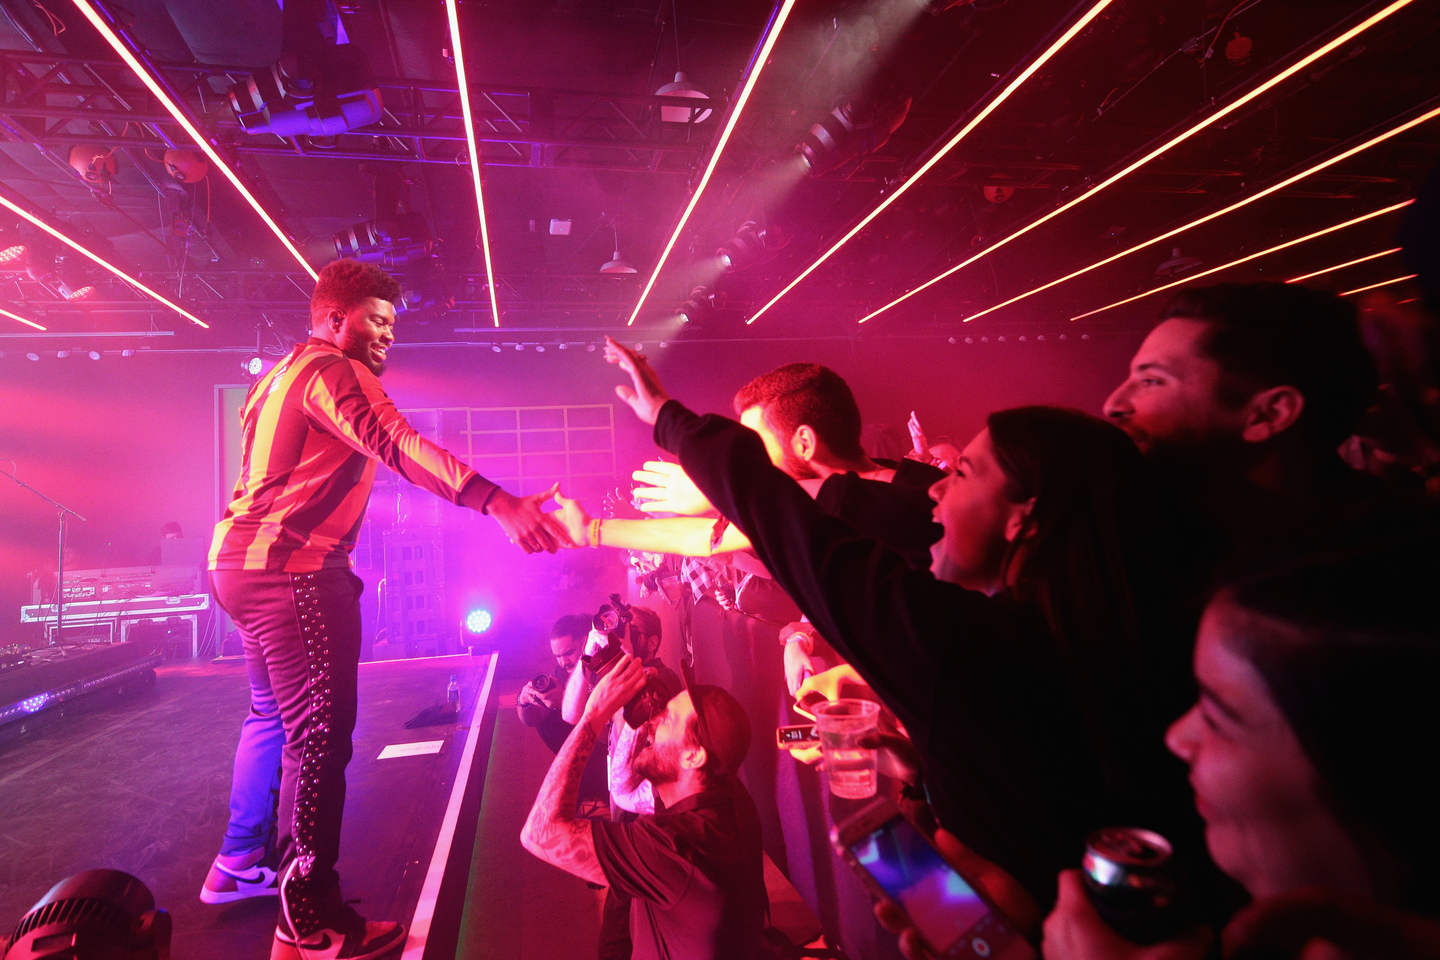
{"x":693,"y":869}
{"x":538,"y":703}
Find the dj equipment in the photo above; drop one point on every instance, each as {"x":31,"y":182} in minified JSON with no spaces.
{"x":52,"y":677}
{"x":113,"y":620}
{"x":125,"y":583}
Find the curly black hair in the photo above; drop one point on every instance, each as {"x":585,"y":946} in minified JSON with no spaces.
{"x":343,"y":284}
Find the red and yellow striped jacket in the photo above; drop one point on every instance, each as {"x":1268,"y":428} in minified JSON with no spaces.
{"x":313,"y":429}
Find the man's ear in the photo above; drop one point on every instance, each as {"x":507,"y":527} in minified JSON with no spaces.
{"x":1019,"y":519}
{"x":804,"y":442}
{"x":693,"y":758}
{"x":1272,"y":412}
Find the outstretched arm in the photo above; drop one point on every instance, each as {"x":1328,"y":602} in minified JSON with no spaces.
{"x":553,"y":832}
{"x":681,"y":536}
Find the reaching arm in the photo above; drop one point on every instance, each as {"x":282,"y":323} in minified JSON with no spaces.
{"x":681,"y":536}
{"x":553,"y":832}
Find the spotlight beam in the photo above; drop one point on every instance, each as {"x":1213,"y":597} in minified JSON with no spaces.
{"x":121,"y":47}
{"x":1170,"y":144}
{"x":12,"y":316}
{"x":1255,"y":256}
{"x":1260,"y":195}
{"x":762,"y":54}
{"x":1347,"y":263}
{"x":452,"y":14}
{"x":20,"y":211}
{"x":1382,"y":283}
{"x":940,"y":154}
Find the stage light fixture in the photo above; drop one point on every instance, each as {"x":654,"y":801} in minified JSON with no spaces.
{"x":452,"y":14}
{"x":753,"y":71}
{"x":478,"y":621}
{"x":94,"y":913}
{"x":36,"y":221}
{"x":698,"y":308}
{"x":496,"y":348}
{"x":753,"y":243}
{"x":940,"y":154}
{"x":175,"y":110}
{"x":855,"y":129}
{"x":13,"y":248}
{"x":94,"y":354}
{"x":1342,"y":266}
{"x":73,"y":280}
{"x":32,"y":355}
{"x":1253,"y":256}
{"x":61,"y":354}
{"x":1169,"y":145}
{"x":617,"y":266}
{"x":1382,"y":283}
{"x":20,"y":319}
{"x":95,"y":165}
{"x":127,"y":352}
{"x":388,"y":241}
{"x":682,"y":87}
{"x":253,"y":366}
{"x":1246,"y":201}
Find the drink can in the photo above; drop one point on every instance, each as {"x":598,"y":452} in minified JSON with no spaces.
{"x":1130,"y":878}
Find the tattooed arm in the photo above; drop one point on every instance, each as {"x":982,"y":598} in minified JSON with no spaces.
{"x":553,"y":832}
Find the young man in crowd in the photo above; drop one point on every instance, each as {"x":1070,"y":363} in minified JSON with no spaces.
{"x":315,"y":427}
{"x":1241,"y":396}
{"x":694,"y":869}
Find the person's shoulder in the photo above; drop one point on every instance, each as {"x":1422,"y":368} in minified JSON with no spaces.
{"x":913,"y":473}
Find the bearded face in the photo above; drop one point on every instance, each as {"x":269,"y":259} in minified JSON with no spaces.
{"x":657,"y":762}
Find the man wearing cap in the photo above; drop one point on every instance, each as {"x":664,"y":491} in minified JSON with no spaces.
{"x":693,"y":869}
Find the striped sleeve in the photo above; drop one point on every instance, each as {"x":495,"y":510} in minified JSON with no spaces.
{"x":346,"y":400}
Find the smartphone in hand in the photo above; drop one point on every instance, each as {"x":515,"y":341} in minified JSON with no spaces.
{"x":899,"y":863}
{"x":796,"y":735}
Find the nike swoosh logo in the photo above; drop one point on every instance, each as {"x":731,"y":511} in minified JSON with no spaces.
{"x":263,"y":877}
{"x":324,"y":943}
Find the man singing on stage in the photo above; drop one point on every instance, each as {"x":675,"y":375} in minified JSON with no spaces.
{"x":314,"y":429}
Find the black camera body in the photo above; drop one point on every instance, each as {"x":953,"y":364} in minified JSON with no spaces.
{"x":544,"y":683}
{"x":612,"y":619}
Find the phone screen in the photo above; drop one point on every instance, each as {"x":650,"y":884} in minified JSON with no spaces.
{"x":945,"y":909}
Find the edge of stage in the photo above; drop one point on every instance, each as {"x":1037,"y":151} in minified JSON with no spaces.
{"x":140,"y":783}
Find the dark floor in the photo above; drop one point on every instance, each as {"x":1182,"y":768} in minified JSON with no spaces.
{"x":141,"y":784}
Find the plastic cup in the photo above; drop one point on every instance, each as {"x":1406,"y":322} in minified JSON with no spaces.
{"x":850,"y":767}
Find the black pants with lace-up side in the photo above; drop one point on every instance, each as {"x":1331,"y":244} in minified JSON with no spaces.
{"x":301,"y":633}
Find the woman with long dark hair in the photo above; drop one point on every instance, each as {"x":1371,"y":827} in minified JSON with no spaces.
{"x":1018,"y":663}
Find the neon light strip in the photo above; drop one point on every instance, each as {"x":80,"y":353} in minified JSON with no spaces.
{"x":1382,"y":283}
{"x":119,"y":46}
{"x":1345,"y":155}
{"x":1282,"y":76}
{"x":1254,"y":256}
{"x":990,"y":108}
{"x":28,"y":323}
{"x":730,"y":123}
{"x":1347,"y":263}
{"x":21,"y":211}
{"x":453,"y":14}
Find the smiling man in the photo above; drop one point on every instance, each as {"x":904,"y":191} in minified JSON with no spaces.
{"x":314,"y":429}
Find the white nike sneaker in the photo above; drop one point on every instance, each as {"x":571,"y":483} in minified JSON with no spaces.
{"x":239,"y":878}
{"x":364,"y":940}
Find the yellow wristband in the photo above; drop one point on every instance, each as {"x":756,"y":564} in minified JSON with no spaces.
{"x":595,"y":532}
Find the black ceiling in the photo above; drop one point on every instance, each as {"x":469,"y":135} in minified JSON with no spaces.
{"x":562,"y":80}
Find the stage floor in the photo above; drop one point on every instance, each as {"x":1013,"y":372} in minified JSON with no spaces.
{"x":141,"y":784}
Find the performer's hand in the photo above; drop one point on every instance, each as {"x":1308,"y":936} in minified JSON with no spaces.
{"x":646,"y":395}
{"x":617,"y":688}
{"x":667,"y":489}
{"x":573,"y":518}
{"x":526,"y":524}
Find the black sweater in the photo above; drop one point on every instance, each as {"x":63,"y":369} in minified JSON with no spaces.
{"x":976,"y":680}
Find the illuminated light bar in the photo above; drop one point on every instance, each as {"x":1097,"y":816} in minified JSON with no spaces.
{"x":1254,"y":256}
{"x":1170,"y":144}
{"x":761,"y":58}
{"x":1382,"y":283}
{"x":1322,"y":165}
{"x":954,"y":141}
{"x":12,"y":316}
{"x":452,"y":13}
{"x":22,"y":212}
{"x":120,"y":47}
{"x":1347,"y":263}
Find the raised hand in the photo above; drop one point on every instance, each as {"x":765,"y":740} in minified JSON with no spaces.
{"x":646,"y":395}
{"x":917,"y":437}
{"x":617,"y":688}
{"x":667,"y":489}
{"x":526,"y":524}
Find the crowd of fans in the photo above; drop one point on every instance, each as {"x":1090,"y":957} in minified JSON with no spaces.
{"x":1211,"y":612}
